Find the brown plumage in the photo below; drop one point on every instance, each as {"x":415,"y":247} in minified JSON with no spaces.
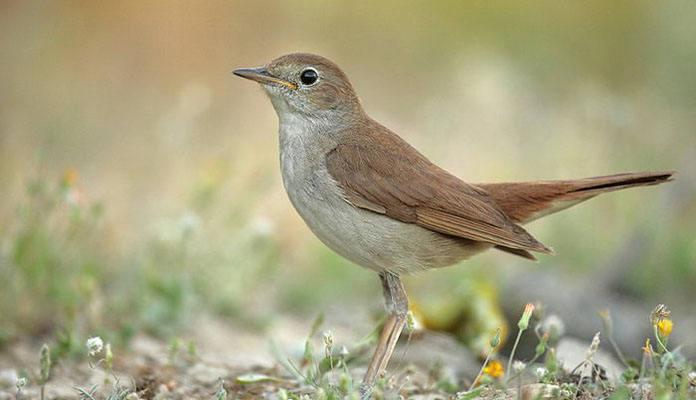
{"x":526,"y":201}
{"x":380,"y":172}
{"x":377,"y":201}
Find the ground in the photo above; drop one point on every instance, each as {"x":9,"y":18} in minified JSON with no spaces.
{"x":234,"y":363}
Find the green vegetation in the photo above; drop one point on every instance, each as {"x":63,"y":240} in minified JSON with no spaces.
{"x":140,"y":193}
{"x":67,"y":279}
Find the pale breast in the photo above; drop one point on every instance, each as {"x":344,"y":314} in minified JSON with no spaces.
{"x":369,"y":239}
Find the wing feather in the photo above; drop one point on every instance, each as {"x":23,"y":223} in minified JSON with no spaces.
{"x":380,"y":172}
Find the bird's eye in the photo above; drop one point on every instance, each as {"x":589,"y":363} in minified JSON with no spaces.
{"x":309,"y":77}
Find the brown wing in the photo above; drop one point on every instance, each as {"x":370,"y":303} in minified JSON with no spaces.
{"x":380,"y":172}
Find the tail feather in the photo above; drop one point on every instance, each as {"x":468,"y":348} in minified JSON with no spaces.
{"x":527,"y":201}
{"x":623,"y":181}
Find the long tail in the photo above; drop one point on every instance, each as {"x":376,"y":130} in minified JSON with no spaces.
{"x":526,"y":201}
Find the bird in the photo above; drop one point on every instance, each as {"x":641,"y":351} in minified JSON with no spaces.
{"x":377,"y":201}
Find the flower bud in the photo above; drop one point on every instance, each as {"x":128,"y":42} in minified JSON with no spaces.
{"x":495,"y":340}
{"x":526,"y":315}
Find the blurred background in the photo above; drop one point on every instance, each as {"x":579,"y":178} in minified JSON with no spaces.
{"x":141,"y":188}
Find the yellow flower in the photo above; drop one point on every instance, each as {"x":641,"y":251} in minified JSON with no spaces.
{"x":70,"y":177}
{"x":494,"y":369}
{"x":665,"y":326}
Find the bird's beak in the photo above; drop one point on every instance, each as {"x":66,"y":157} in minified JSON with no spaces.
{"x":261,"y":75}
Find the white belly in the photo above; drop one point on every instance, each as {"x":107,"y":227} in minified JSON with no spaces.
{"x":369,"y":239}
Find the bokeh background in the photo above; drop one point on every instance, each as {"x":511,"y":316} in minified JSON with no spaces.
{"x":140,"y":187}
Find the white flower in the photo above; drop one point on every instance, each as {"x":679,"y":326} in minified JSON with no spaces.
{"x":21,"y":382}
{"x":94,"y":345}
{"x":345,"y":352}
{"x":518,"y":366}
{"x":540,"y":372}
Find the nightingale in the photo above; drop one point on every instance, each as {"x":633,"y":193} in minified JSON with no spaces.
{"x":375,"y":200}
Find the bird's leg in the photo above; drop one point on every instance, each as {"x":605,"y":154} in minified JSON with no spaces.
{"x":396,"y":304}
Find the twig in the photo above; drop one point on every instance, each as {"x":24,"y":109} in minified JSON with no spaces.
{"x":495,"y":341}
{"x":618,"y":351}
{"x":657,"y":337}
{"x":485,"y":362}
{"x":512,"y":353}
{"x":522,"y":325}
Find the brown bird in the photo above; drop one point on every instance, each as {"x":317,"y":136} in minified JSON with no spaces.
{"x":377,"y":201}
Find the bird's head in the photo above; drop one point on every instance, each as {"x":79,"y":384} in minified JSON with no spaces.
{"x":306,"y":85}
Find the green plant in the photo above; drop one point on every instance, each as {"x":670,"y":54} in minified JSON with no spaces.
{"x":45,"y":368}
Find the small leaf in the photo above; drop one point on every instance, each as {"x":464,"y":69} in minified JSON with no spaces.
{"x":471,"y":394}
